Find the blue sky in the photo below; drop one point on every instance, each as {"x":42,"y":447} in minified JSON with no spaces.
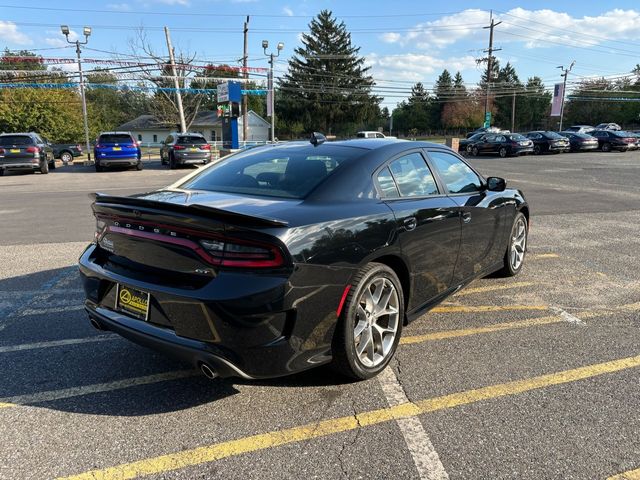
{"x":404,"y":41}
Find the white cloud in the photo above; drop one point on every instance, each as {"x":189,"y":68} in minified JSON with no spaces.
{"x":10,"y":34}
{"x":57,"y":39}
{"x":119,"y":7}
{"x":415,"y":67}
{"x":530,"y":27}
{"x":287,"y":11}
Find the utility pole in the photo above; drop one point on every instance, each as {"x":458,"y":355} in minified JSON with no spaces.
{"x":513,"y":112}
{"x":490,"y":51}
{"x":87,"y":32}
{"x":564,"y":88}
{"x":271,"y":86}
{"x":176,"y":83}
{"x":245,"y":99}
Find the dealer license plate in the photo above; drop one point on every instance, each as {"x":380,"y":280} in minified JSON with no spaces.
{"x":132,"y":301}
{"x":117,"y":149}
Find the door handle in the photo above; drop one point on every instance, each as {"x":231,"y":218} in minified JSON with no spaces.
{"x":466,"y":217}
{"x":410,"y":223}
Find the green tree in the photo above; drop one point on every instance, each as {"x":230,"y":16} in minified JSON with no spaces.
{"x":536,"y":105}
{"x":507,"y":88}
{"x":327,"y":86}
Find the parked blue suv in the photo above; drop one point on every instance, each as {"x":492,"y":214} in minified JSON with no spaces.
{"x":117,"y":149}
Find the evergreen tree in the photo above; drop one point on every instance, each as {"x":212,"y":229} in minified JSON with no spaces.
{"x":536,"y":105}
{"x":327,"y":87}
{"x":505,"y":84}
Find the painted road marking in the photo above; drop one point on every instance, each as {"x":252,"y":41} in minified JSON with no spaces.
{"x":630,"y":475}
{"x":57,"y":343}
{"x":484,"y":308}
{"x":51,"y":395}
{"x":424,"y":455}
{"x":211,"y":453}
{"x":543,"y":255}
{"x":493,"y":288}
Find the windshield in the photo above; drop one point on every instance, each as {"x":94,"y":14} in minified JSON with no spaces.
{"x":115,"y":138}
{"x":288,"y":171}
{"x":622,"y":133}
{"x":16,"y":140}
{"x":552,"y":135}
{"x":516,"y":137}
{"x":191,"y":139}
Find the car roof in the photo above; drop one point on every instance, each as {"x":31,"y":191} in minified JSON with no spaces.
{"x":115,"y":133}
{"x":26,"y":134}
{"x":375,"y":143}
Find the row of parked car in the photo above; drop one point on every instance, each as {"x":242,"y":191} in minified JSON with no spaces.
{"x":577,"y":138}
{"x":31,"y":152}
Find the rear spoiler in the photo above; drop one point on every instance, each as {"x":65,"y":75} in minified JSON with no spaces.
{"x":201,"y":210}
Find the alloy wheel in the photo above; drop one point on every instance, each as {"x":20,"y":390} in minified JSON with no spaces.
{"x":518,"y":243}
{"x":377,"y":321}
{"x":503,"y":152}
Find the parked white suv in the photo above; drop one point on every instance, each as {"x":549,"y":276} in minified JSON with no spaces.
{"x":370,"y":134}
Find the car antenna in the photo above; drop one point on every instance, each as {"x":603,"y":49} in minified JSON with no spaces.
{"x":317,"y":139}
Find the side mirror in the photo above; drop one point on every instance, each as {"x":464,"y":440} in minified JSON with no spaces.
{"x":496,"y":184}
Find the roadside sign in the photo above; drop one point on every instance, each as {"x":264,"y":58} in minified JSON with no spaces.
{"x":487,"y":120}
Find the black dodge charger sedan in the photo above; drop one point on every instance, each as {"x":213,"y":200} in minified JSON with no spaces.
{"x":289,"y":256}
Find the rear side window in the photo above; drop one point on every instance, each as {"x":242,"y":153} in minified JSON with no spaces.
{"x":456,"y":174}
{"x":387,"y":185}
{"x":115,"y":138}
{"x":7,"y":140}
{"x":191,"y":139}
{"x":289,"y":171}
{"x":413,"y":177}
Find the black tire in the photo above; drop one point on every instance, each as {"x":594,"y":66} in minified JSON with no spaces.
{"x":52,"y":164}
{"x":606,"y":147}
{"x":502,"y":152}
{"x":44,"y":168}
{"x":66,"y":157}
{"x":508,"y":269}
{"x":537,"y":150}
{"x":474,"y":151}
{"x":139,"y":166}
{"x":345,"y":357}
{"x":98,"y":167}
{"x":172,"y":162}
{"x":1,"y":172}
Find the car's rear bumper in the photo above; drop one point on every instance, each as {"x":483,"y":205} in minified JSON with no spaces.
{"x":522,"y":150}
{"x":20,"y":164}
{"x":191,"y":158}
{"x":559,"y":148}
{"x":241,"y":324}
{"x":586,"y":147}
{"x":117,"y":162}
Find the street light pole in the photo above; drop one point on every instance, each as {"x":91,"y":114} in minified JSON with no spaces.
{"x":565,"y":74}
{"x":87,"y":32}
{"x":271,"y":85}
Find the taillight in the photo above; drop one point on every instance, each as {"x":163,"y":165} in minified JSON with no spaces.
{"x":234,"y":253}
{"x":179,"y":147}
{"x":79,"y":147}
{"x":99,"y":145}
{"x":206,"y":146}
{"x":33,"y":149}
{"x":101,"y":227}
{"x":1,"y":151}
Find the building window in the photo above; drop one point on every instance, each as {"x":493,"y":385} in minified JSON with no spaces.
{"x":155,"y":139}
{"x":139,"y":137}
{"x":213,"y":135}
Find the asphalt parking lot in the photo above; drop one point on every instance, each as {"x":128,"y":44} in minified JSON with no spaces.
{"x":533,"y":377}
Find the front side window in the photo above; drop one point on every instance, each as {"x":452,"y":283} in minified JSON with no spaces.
{"x":456,"y":174}
{"x":412,"y":175}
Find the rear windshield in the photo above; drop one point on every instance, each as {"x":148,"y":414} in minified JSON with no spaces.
{"x":191,"y":139}
{"x":622,"y":133}
{"x":516,"y":137}
{"x":552,"y":135}
{"x":582,"y":135}
{"x":287,"y":171}
{"x":16,"y":140}
{"x":115,"y":138}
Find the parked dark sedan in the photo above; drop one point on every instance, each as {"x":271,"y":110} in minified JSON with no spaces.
{"x":25,"y":152}
{"x":285,"y":257}
{"x":505,"y":145}
{"x":615,"y":140}
{"x":580,"y":142}
{"x":548,"y":142}
{"x":465,"y":143}
{"x":185,"y":149}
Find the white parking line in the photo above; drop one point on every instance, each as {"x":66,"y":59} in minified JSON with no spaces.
{"x":50,"y":395}
{"x":423,"y":453}
{"x":56,"y":343}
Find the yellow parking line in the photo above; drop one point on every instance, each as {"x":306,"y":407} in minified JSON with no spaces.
{"x":543,"y":255}
{"x":210,"y":453}
{"x":630,"y":475}
{"x":493,"y":288}
{"x":484,"y":308}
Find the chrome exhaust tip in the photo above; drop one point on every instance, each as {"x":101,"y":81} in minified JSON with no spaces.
{"x":207,"y":371}
{"x":96,"y":325}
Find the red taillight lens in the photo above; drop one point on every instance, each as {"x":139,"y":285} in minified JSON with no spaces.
{"x":234,"y":253}
{"x":179,"y":147}
{"x":33,"y":149}
{"x":206,"y":146}
{"x":1,"y":151}
{"x":99,"y":145}
{"x":100,"y":229}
